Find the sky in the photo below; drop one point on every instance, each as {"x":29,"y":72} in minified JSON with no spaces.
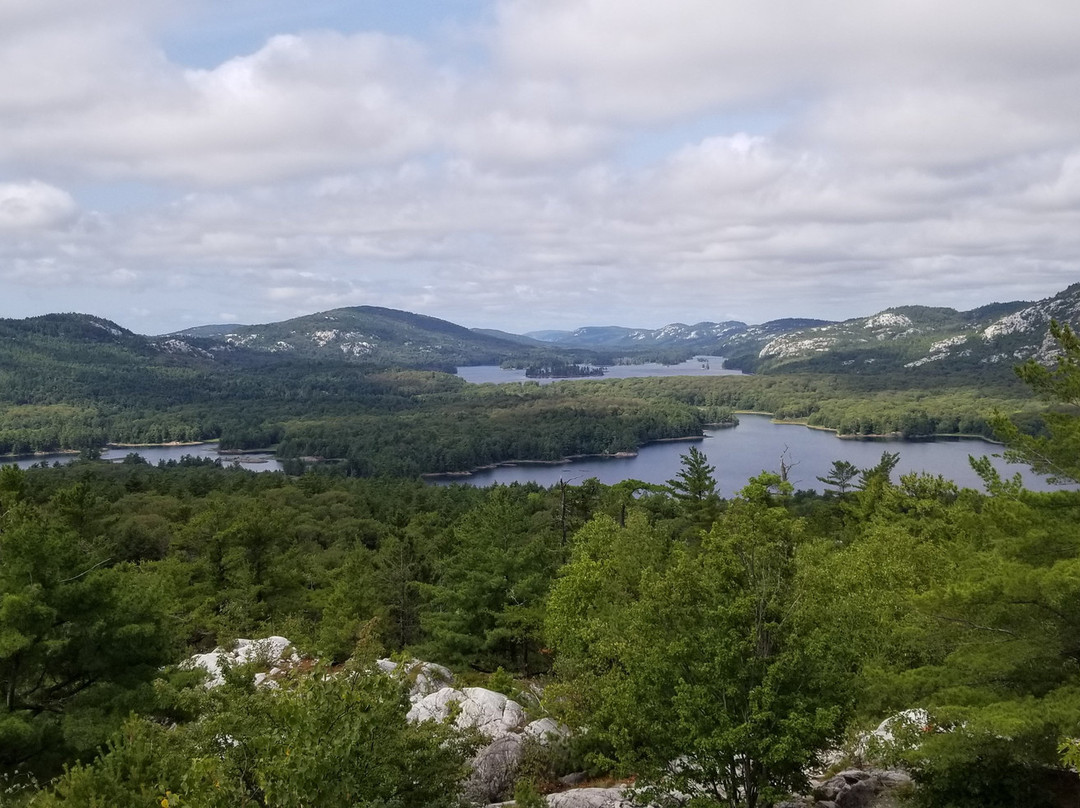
{"x":535,"y":164}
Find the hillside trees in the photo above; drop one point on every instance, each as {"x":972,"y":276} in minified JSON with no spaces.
{"x":80,"y":638}
{"x":1056,"y":453}
{"x":694,"y":665}
{"x":486,"y":607}
{"x":694,"y":489}
{"x":997,"y":648}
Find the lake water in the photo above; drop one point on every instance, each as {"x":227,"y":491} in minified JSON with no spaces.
{"x":712,"y":366}
{"x":757,"y":445}
{"x":155,"y":454}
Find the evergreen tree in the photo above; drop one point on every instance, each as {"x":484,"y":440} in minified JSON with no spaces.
{"x":696,"y":670}
{"x":841,"y":475}
{"x":694,"y":487}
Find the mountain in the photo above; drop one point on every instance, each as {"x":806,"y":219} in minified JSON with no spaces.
{"x":910,"y":337}
{"x":898,"y":339}
{"x":368,"y":333}
{"x":694,"y":337}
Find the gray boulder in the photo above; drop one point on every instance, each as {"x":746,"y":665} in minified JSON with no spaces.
{"x":424,"y":677}
{"x":493,"y":714}
{"x":856,"y":788}
{"x":494,"y":770}
{"x":589,"y":798}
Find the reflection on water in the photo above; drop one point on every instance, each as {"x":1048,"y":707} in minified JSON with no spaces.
{"x":698,"y":366}
{"x":758,"y":445}
{"x":156,"y":454}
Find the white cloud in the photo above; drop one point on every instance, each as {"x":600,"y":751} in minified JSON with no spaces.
{"x":928,"y":150}
{"x":34,"y":205}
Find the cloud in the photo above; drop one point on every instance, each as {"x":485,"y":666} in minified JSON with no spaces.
{"x":34,"y":205}
{"x":564,"y":160}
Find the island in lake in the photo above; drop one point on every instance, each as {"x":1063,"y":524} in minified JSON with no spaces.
{"x":562,"y":370}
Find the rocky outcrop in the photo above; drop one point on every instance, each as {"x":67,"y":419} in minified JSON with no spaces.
{"x":856,"y":788}
{"x":274,"y":654}
{"x":424,"y":677}
{"x":502,"y":721}
{"x":493,"y":714}
{"x":494,"y":770}
{"x":590,"y":798}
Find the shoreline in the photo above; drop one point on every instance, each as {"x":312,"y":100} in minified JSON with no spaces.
{"x":567,"y":459}
{"x":158,"y":445}
{"x":897,"y":437}
{"x":133,"y":448}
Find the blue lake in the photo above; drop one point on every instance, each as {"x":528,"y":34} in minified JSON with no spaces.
{"x":712,"y":366}
{"x":756,"y":445}
{"x":157,"y":454}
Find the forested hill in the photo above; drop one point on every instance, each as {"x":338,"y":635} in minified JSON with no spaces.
{"x":368,"y":333}
{"x":896,"y":340}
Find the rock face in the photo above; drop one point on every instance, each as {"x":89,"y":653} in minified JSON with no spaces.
{"x":425,"y":677}
{"x":590,"y":798}
{"x":494,"y":770}
{"x":273,"y":653}
{"x":493,"y":714}
{"x":856,"y":788}
{"x":500,"y":719}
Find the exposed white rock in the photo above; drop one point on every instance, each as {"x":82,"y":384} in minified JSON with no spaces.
{"x":945,"y":344}
{"x":426,"y":677}
{"x":916,"y":717}
{"x":1025,"y":320}
{"x":493,"y":714}
{"x":925,"y":360}
{"x":179,"y":346}
{"x":494,"y":770}
{"x":273,"y":652}
{"x":887,"y":319}
{"x":547,"y":730}
{"x":116,"y":332}
{"x":786,"y":346}
{"x":356,"y":348}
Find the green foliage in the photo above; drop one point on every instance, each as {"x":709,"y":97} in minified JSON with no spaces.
{"x":487,"y":607}
{"x":694,"y":488}
{"x":743,"y":650}
{"x":840,"y":476}
{"x":322,"y":739}
{"x":697,"y":655}
{"x":1057,"y":453}
{"x":79,"y":640}
{"x":526,"y":795}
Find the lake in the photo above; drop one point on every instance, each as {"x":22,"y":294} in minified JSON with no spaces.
{"x":712,"y":366}
{"x":155,"y":454}
{"x":756,"y":445}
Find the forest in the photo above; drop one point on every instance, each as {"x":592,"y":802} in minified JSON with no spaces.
{"x":745,"y":638}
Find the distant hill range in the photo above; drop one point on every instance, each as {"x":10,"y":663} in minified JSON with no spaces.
{"x":904,"y":338}
{"x":896,"y":339}
{"x":366,"y":333}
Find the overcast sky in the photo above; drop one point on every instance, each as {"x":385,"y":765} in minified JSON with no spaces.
{"x":527,"y":164}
